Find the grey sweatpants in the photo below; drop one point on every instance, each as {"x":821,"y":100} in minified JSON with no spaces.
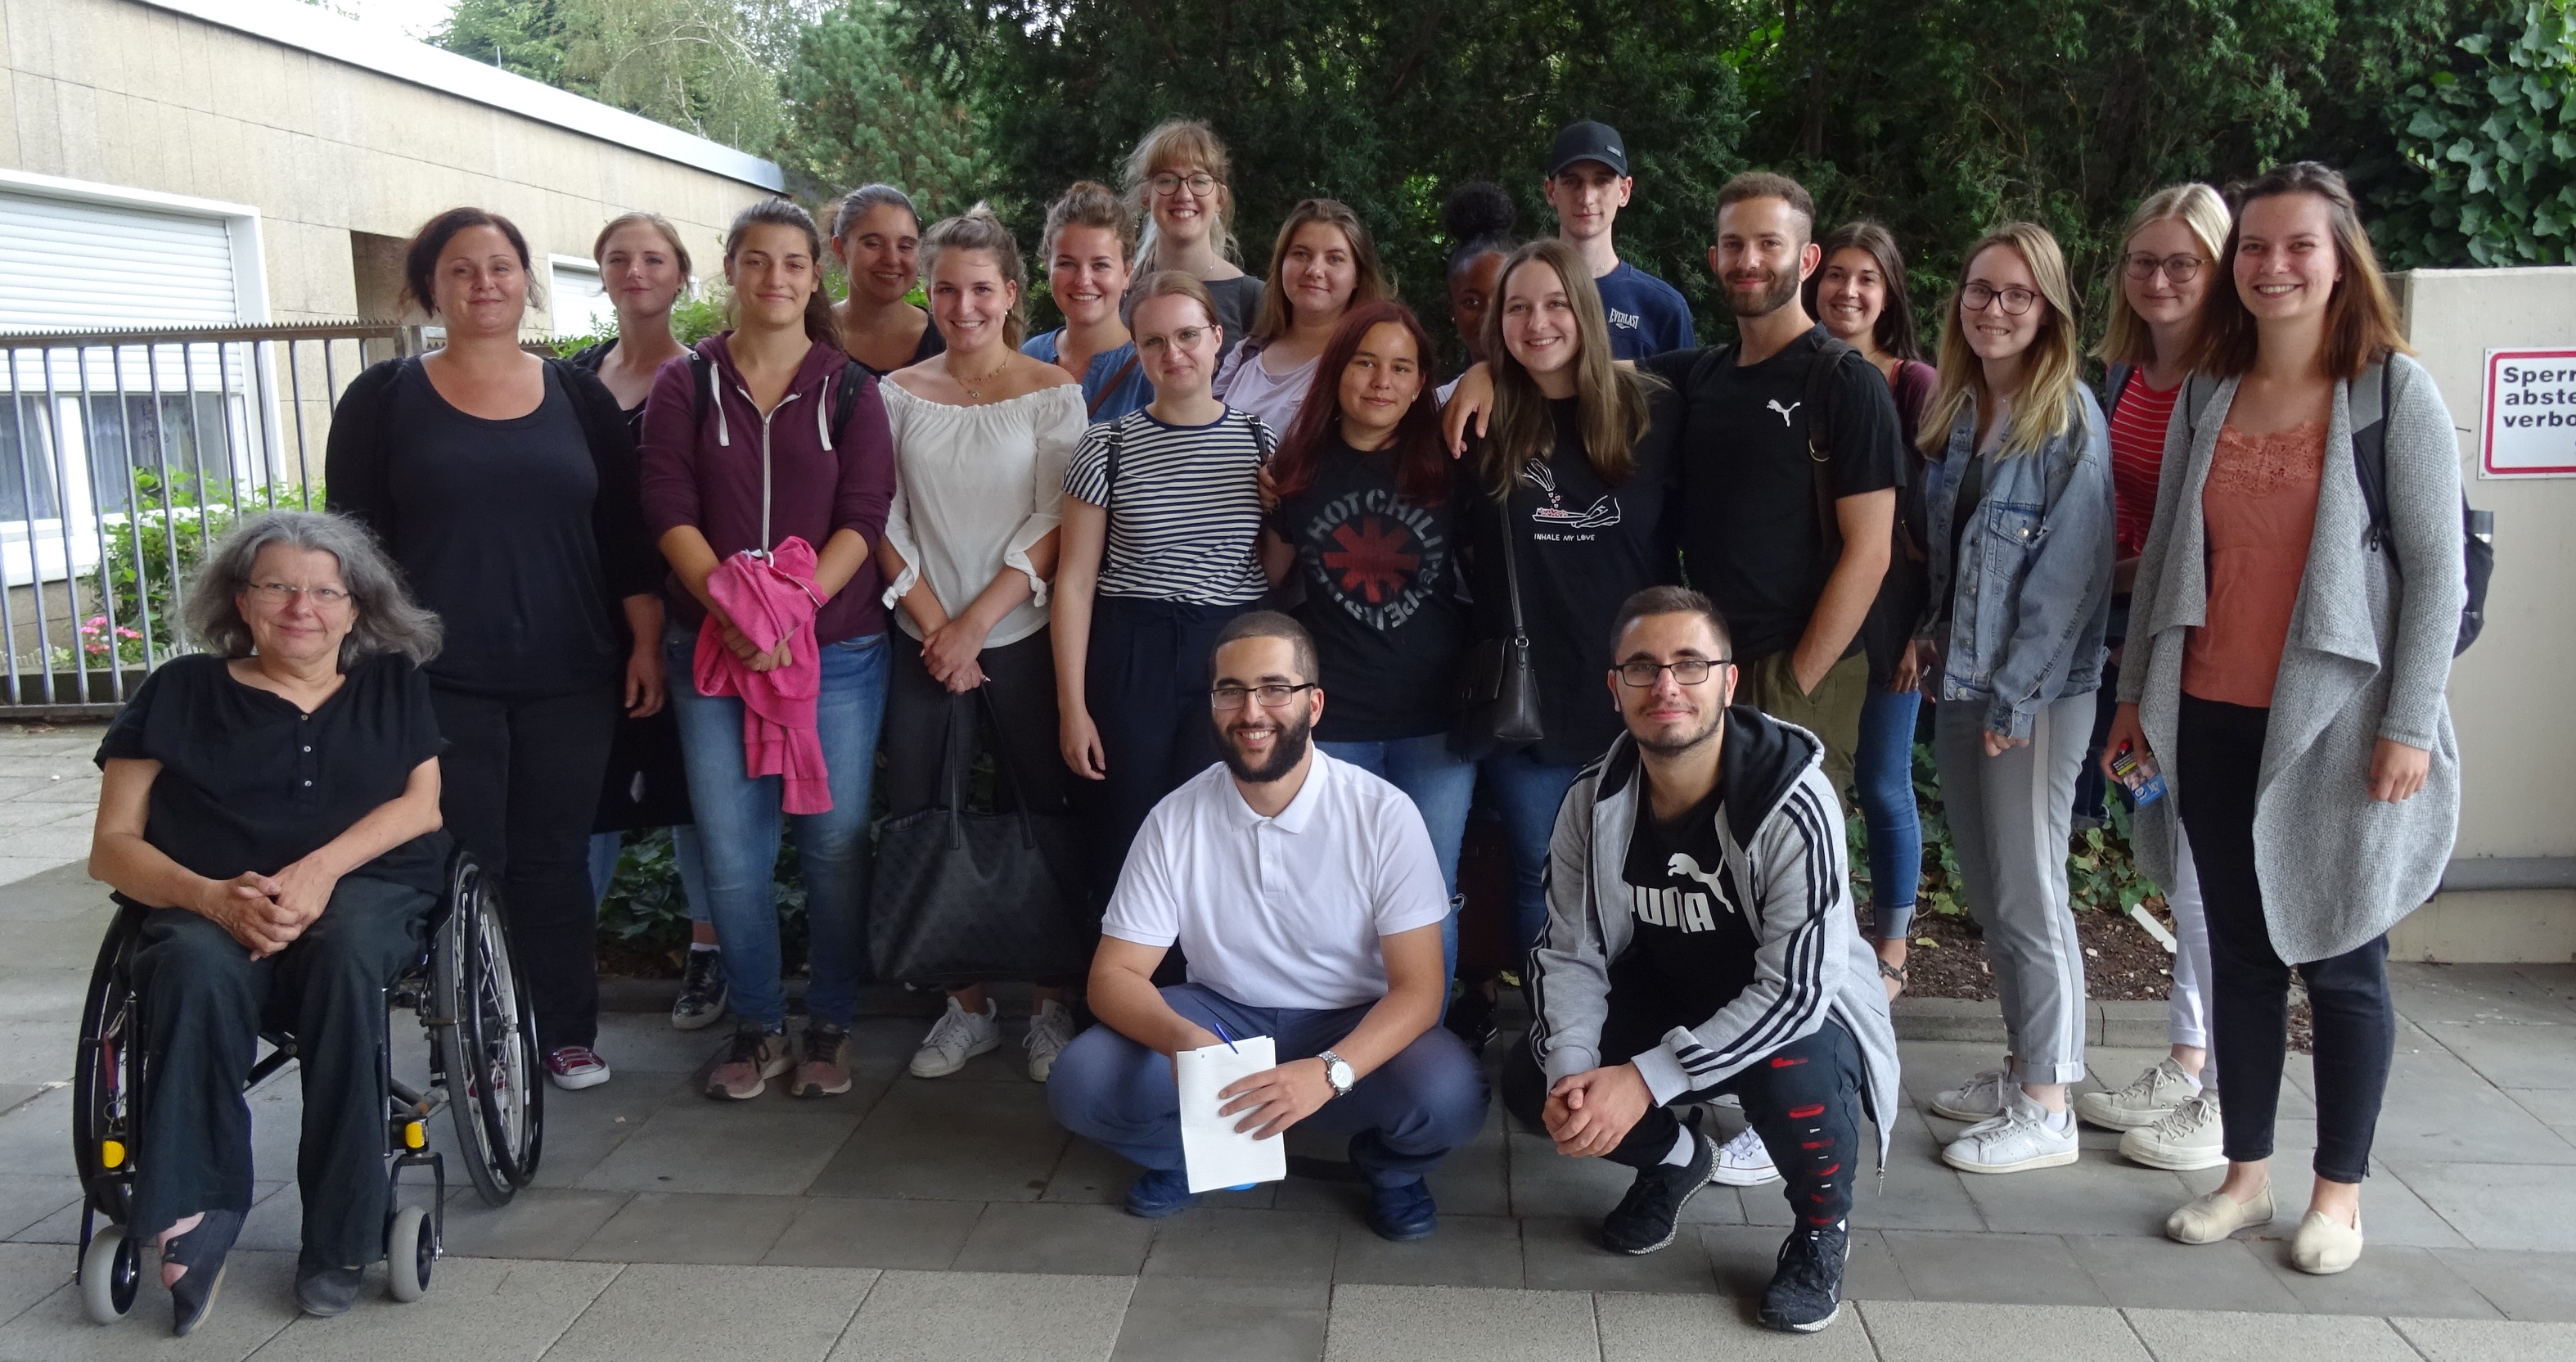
{"x":2009,"y":821}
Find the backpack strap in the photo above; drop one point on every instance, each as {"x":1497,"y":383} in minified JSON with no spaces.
{"x":2366,"y":398}
{"x":845,"y":403}
{"x":703,"y":370}
{"x":1114,"y":434}
{"x":2116,"y":379}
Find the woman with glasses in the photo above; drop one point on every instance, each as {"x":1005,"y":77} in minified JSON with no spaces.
{"x":2170,"y":1113}
{"x":1176,"y":183}
{"x":504,"y":486}
{"x":1321,"y":265}
{"x":2021,"y":591}
{"x":1162,"y":509}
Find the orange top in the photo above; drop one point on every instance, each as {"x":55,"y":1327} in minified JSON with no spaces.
{"x":2260,"y":507}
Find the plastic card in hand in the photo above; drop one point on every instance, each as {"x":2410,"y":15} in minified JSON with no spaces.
{"x":1217,"y":1155}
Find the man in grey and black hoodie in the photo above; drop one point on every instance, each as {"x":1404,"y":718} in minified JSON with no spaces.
{"x":1700,"y":940}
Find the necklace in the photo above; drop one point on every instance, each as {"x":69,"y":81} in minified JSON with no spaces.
{"x":974,"y":386}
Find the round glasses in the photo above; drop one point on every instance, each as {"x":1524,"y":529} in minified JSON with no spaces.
{"x":2015,"y":301}
{"x":1169,"y":183}
{"x":2181,"y":269}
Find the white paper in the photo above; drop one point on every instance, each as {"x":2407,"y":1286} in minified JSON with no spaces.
{"x":1214,"y":1152}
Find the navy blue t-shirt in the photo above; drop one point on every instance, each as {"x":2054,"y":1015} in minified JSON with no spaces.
{"x":1647,"y":316}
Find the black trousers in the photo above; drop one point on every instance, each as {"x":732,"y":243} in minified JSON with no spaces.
{"x":922,"y":716}
{"x":2356,"y":1025}
{"x":1146,"y":680}
{"x":204,"y":1004}
{"x":1804,"y":1097}
{"x":519,"y":786}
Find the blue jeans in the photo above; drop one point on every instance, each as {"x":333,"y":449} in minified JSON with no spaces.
{"x":1883,"y":778}
{"x":1441,"y":786}
{"x":739,"y":827}
{"x":1527,"y":792}
{"x":1403,"y":1118}
{"x":687,"y":853}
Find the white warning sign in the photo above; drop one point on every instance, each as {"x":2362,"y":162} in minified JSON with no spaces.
{"x":2529,"y":428}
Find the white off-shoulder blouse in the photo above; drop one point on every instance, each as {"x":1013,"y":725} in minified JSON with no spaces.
{"x":975,"y":489}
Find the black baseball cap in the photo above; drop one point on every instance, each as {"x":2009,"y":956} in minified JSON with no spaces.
{"x":1587,"y":141}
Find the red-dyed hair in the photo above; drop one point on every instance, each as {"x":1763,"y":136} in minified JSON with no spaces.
{"x":1421,"y":460}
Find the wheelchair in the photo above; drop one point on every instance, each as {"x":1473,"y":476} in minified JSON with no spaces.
{"x":484,"y":1072}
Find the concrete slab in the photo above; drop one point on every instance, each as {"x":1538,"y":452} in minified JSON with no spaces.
{"x":1460,"y":1324}
{"x":1992,"y":1269}
{"x":1013,"y":1236}
{"x":978,"y":1316}
{"x":257,"y":1300}
{"x":704,"y":1146}
{"x":1191,"y":1319}
{"x":2496,"y":1205}
{"x":1651,"y":1328}
{"x":1468,"y":1250}
{"x":845,"y":1232}
{"x":2463,"y":1340}
{"x":476,"y":1307}
{"x":1273,"y":1246}
{"x":2213,"y":1336}
{"x":539,"y":1222}
{"x":950,"y":1141}
{"x":29,"y":1273}
{"x":2160,"y":1273}
{"x":2527,"y":1286}
{"x":779,"y":1314}
{"x":2387,"y":1281}
{"x":1920,"y":1331}
{"x":27,"y":1200}
{"x":679,"y":1227}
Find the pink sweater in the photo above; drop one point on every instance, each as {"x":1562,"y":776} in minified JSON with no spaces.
{"x":770,"y":601}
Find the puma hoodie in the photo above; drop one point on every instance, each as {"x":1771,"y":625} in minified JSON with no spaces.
{"x":1781,"y":831}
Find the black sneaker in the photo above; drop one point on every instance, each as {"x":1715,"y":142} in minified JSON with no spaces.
{"x":1650,"y":1215}
{"x":702,"y":991}
{"x":1806,"y":1291}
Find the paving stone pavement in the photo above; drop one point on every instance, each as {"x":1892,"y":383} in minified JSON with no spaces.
{"x":952,"y":1219}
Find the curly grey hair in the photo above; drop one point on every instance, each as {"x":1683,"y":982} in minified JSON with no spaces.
{"x":387,"y":621}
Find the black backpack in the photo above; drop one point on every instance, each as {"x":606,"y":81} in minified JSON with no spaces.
{"x":1820,"y":442}
{"x":2368,"y":399}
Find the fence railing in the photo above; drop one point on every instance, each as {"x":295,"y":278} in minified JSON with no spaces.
{"x":123,"y":454}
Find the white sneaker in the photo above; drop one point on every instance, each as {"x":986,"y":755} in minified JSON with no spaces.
{"x":959,"y":1036}
{"x":2155,"y":1095}
{"x":1743,"y":1162}
{"x":2023,"y":1138}
{"x":1050,"y":1030}
{"x":2191,"y":1139}
{"x":1979,"y":1099}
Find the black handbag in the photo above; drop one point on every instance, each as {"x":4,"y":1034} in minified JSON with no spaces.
{"x":1498,"y":684}
{"x":963,"y":897}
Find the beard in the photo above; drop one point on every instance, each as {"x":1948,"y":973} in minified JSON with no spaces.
{"x":1288,"y":750}
{"x":1675,"y":742}
{"x":1776,"y":293}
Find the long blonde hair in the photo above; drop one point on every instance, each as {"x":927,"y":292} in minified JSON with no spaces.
{"x":1178,"y":142}
{"x":2046,"y":405}
{"x":1610,"y":401}
{"x":2125,"y":339}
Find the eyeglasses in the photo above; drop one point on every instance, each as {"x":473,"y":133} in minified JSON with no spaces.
{"x":1168,"y":183}
{"x":1187,"y":338}
{"x":2181,"y":269}
{"x":1690,"y":671}
{"x":279,"y":593}
{"x":2016,"y":301}
{"x":1271,"y":696}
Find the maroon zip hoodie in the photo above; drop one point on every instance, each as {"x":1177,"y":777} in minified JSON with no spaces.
{"x":706,"y":471}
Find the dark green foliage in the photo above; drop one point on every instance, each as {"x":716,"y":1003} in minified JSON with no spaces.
{"x":857,"y":113}
{"x":2491,"y":146}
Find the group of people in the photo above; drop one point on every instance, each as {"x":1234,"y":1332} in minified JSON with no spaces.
{"x":1285,"y":611}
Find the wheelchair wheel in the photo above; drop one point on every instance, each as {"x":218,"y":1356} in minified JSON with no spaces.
{"x":411,"y":1251}
{"x":110,"y":1271}
{"x":107,"y":1079}
{"x":490,"y":1053}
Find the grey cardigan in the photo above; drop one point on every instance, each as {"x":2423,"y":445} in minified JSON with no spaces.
{"x":2368,"y":657}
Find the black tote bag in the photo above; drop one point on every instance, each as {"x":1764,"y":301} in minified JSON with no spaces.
{"x":961,"y":897}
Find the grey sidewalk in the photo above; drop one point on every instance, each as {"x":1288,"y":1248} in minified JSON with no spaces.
{"x":914,"y":1219}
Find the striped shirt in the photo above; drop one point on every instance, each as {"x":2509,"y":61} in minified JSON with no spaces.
{"x":2137,"y":455}
{"x":1186,"y":513}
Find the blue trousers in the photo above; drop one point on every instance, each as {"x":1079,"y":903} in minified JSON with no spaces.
{"x":1527,"y":792}
{"x":1403,"y":1118}
{"x":1883,"y":779}
{"x":1441,"y":786}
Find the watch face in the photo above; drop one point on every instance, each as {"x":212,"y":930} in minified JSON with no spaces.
{"x":1338,"y":1073}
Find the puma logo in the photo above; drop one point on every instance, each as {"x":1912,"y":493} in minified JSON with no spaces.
{"x":1774,"y":405}
{"x":1682,"y":863}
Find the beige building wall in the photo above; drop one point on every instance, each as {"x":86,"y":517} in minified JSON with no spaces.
{"x":126,"y":94}
{"x":2513,"y":699}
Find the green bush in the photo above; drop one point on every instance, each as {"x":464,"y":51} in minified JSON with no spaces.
{"x":646,"y":907}
{"x":153,"y":548}
{"x":2492,"y":148}
{"x":2101,"y":872}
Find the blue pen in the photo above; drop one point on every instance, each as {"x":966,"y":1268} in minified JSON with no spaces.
{"x":1222,"y":1035}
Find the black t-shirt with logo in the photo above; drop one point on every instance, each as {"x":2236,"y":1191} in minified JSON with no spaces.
{"x":1585,"y":546}
{"x":1380,"y":578}
{"x":1692,"y":951}
{"x":1751,"y":540}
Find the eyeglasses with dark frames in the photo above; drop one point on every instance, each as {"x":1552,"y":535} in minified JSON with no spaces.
{"x":2014,"y":301}
{"x":1690,"y":671}
{"x":2181,"y":269}
{"x":1272,"y":696}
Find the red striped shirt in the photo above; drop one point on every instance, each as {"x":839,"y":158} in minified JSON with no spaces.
{"x":2137,"y":453}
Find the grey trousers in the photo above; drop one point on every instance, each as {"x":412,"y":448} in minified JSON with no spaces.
{"x":2010,"y":817}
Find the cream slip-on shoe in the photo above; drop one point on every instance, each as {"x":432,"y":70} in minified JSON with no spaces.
{"x":2323,"y":1247}
{"x":2208,"y":1219}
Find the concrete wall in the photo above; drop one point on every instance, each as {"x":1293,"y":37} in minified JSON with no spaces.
{"x":126,"y":94}
{"x":2510,"y":694}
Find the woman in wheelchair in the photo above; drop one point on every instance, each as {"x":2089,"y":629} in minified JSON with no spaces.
{"x":274,"y":802}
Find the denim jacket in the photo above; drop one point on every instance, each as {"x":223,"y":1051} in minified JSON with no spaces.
{"x":2027,"y":602}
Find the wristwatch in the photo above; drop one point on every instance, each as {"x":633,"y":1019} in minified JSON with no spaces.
{"x":1338,"y":1072}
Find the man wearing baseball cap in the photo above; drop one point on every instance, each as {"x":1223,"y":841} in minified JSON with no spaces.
{"x":1587,"y":184}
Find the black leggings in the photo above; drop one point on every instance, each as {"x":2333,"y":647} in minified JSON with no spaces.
{"x":519,"y":786}
{"x":1804,"y":1097}
{"x":2221,"y":751}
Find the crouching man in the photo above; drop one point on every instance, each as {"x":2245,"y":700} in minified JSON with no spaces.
{"x":1700,"y":940}
{"x":1305,"y":896}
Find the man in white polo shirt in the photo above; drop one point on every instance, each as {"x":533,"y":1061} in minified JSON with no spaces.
{"x":1304,"y":893}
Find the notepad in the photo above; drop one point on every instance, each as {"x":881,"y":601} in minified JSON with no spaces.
{"x":1215,"y":1154}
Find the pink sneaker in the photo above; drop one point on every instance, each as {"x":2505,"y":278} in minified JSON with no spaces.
{"x":575,"y":1067}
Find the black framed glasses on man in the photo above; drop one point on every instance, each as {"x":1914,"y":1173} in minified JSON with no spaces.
{"x":1689,"y":671}
{"x":1271,"y":696}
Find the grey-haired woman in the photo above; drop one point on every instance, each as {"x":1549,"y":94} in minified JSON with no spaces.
{"x":272,"y":806}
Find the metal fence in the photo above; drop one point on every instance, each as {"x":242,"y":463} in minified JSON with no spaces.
{"x":122,"y":455}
